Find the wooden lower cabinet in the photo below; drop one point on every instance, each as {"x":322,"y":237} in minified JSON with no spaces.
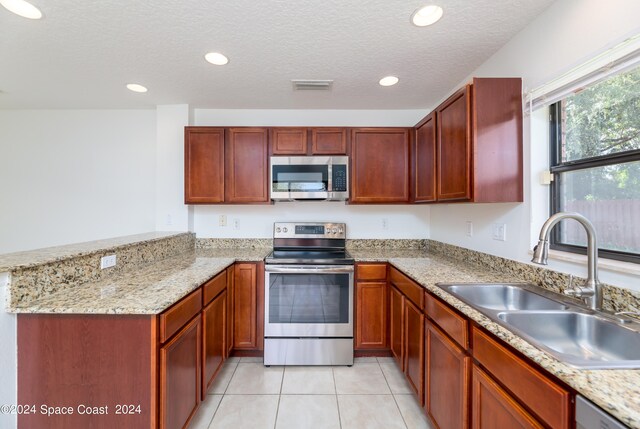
{"x":371,"y":316}
{"x":230,"y":301}
{"x":396,"y":319}
{"x":180,"y":377}
{"x":214,"y":348}
{"x":447,"y":375}
{"x":248,"y":306}
{"x":414,"y":348}
{"x":494,"y":408}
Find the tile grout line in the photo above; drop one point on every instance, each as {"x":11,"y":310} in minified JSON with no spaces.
{"x":223,"y":394}
{"x":275,"y":422}
{"x":335,"y":389}
{"x":393,"y":395}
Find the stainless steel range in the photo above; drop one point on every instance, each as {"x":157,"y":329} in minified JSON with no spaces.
{"x":308,"y":296}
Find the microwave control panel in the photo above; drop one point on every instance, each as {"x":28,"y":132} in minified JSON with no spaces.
{"x":339,"y":178}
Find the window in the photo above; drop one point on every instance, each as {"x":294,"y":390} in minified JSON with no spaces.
{"x":595,"y":160}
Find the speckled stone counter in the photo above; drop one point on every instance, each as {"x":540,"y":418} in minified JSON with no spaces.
{"x":149,"y":289}
{"x":616,"y":391}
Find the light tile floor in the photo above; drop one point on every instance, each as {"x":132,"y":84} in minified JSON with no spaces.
{"x":371,"y":394}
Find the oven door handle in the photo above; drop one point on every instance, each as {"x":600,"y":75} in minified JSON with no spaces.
{"x":309,"y":269}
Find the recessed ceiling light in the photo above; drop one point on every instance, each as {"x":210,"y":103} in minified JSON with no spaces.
{"x":388,"y":81}
{"x":216,"y":58}
{"x":427,"y":15}
{"x":22,"y":8}
{"x":136,"y":88}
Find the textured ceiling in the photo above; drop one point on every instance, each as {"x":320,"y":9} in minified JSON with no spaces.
{"x":83,"y":53}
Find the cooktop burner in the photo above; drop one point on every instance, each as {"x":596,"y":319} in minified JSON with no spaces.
{"x":309,"y":243}
{"x":334,"y":257}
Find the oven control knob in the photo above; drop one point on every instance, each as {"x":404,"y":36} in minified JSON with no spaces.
{"x":278,"y":229}
{"x":340,"y":231}
{"x":284,"y":229}
{"x":334,"y":230}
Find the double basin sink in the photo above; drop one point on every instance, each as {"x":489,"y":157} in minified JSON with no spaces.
{"x":573,"y":334}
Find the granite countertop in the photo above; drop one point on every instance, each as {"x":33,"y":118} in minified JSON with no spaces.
{"x":147,"y":290}
{"x":31,"y":258}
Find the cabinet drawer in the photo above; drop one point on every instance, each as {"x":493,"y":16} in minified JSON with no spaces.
{"x":214,"y":286}
{"x":371,"y":272}
{"x":179,"y":314}
{"x":448,"y":320}
{"x":546,"y":399}
{"x":408,"y":287}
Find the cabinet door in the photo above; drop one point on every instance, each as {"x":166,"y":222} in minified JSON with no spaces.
{"x":424,"y":161}
{"x":180,"y":379}
{"x":289,"y":141}
{"x":447,"y":373}
{"x":329,"y":141}
{"x":494,"y":408}
{"x":203,"y":165}
{"x":246,"y":165}
{"x":246,"y":332}
{"x":214,"y":327}
{"x":230,"y":301}
{"x":454,"y":147}
{"x":380,"y":165}
{"x":414,"y":347}
{"x":396,"y":318}
{"x":371,"y":315}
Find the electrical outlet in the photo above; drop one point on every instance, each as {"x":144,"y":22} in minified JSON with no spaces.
{"x":500,"y":231}
{"x":107,"y":261}
{"x":222,"y":220}
{"x":469,"y":229}
{"x":236,"y":224}
{"x":385,"y":223}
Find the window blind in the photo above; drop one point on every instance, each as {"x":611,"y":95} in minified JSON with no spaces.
{"x":618,"y":59}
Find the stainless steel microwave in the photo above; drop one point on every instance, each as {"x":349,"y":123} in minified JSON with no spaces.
{"x":309,"y":178}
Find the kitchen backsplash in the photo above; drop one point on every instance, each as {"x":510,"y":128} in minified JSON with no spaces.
{"x":62,"y":268}
{"x":615,"y":298}
{"x":233,"y":243}
{"x":69,"y":266}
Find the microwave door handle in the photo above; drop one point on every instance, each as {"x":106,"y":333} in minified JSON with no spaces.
{"x":309,"y":269}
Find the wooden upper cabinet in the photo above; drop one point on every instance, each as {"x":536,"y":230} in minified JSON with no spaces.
{"x":289,"y":141}
{"x":478,"y":145}
{"x":497,"y":131}
{"x":247,"y":166}
{"x":454,"y":147}
{"x":203,"y":165}
{"x":380,"y":165}
{"x":328,"y":141}
{"x":424,"y":161}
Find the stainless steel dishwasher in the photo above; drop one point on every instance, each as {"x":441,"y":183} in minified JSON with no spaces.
{"x":590,"y":416}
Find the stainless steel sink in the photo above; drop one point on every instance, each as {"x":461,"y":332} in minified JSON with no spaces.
{"x":499,"y":297}
{"x":570,"y":332}
{"x":580,"y":339}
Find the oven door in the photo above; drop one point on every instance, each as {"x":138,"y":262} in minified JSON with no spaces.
{"x":308,"y":301}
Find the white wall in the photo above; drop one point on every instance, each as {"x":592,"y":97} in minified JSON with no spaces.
{"x":171,"y":212}
{"x":362,"y":221}
{"x":562,"y":37}
{"x":256,"y":221}
{"x":75,"y":175}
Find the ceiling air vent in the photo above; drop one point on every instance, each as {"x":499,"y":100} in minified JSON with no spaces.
{"x":311,"y":85}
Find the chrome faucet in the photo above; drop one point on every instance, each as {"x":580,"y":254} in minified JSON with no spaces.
{"x":591,"y":291}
